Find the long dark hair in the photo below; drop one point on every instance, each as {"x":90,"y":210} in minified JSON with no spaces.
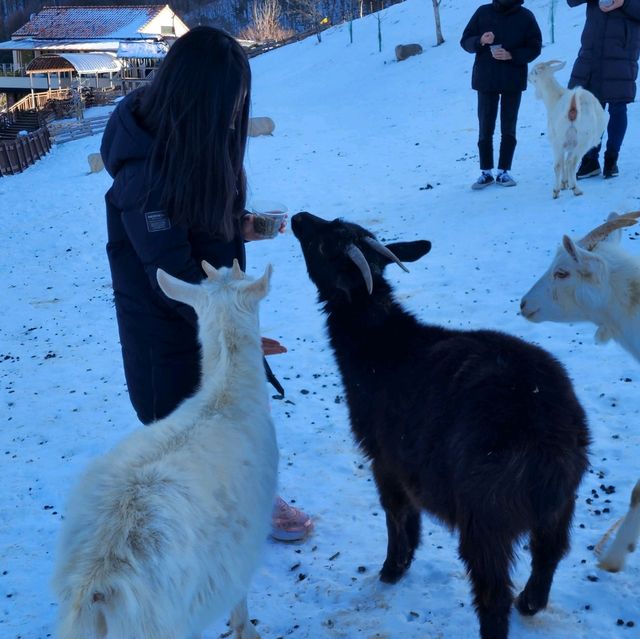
{"x":197,"y":108}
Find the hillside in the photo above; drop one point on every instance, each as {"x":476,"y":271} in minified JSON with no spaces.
{"x":391,"y":146}
{"x":232,"y":15}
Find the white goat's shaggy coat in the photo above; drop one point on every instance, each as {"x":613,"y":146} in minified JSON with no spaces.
{"x":594,"y":280}
{"x":575,"y":123}
{"x":163,"y":534}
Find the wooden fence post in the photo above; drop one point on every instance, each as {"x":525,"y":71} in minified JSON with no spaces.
{"x":16,"y":155}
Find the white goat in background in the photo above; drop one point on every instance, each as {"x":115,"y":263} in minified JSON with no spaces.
{"x":626,"y":538}
{"x":594,"y":280}
{"x":163,"y":534}
{"x":575,"y":122}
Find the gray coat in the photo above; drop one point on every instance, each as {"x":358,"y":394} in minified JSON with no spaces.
{"x":607,"y":63}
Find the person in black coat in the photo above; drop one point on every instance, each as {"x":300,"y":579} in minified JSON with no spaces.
{"x":505,"y":37}
{"x":175,"y":150}
{"x":607,"y":65}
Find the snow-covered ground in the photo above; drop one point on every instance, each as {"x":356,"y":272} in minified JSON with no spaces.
{"x":391,"y":146}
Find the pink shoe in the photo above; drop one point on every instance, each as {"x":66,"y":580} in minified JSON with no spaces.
{"x":289,"y":523}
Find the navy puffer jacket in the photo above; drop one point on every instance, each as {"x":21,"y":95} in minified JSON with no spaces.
{"x":158,"y":336}
{"x":516,"y":29}
{"x":607,"y":63}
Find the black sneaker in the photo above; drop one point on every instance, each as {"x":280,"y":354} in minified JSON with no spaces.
{"x":610,"y":165}
{"x":588,"y":168}
{"x":483,"y":181}
{"x":504,"y":179}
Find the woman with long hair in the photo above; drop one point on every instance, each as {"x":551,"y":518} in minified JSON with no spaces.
{"x":175,"y":150}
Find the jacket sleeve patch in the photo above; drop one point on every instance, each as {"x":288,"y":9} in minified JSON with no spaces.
{"x":157,"y":221}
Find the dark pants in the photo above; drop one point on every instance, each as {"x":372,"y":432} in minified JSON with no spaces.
{"x":487,"y":114}
{"x":616,"y":129}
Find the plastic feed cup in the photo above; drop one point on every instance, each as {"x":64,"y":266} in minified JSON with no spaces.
{"x":268,"y":218}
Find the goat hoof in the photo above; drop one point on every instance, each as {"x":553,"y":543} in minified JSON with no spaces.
{"x":525,"y":606}
{"x":391,"y":573}
{"x":577,"y":191}
{"x":556,"y":193}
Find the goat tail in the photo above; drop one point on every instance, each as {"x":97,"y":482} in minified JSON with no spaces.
{"x":101,"y":611}
{"x":572,"y":114}
{"x":83,"y":616}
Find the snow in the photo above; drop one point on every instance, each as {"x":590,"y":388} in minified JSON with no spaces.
{"x":391,"y":146}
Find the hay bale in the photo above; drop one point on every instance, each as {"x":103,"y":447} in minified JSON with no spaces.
{"x":95,"y":162}
{"x":404,"y":51}
{"x":261,"y":126}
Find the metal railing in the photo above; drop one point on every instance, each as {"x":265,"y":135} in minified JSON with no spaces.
{"x":8,"y":69}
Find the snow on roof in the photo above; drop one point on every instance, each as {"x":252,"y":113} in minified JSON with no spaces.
{"x":89,"y":22}
{"x":29,"y":44}
{"x":142,"y":50}
{"x":82,"y":62}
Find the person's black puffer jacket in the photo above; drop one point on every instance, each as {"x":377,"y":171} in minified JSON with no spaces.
{"x":607,"y":63}
{"x":158,"y":336}
{"x":516,"y":29}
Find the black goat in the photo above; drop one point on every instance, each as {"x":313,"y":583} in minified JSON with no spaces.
{"x":477,"y":427}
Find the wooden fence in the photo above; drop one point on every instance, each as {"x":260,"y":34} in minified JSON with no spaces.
{"x":263,"y":47}
{"x":62,"y":132}
{"x":16,"y":155}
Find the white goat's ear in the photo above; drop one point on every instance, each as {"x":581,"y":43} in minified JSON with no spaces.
{"x":209,"y":271}
{"x":590,"y":266}
{"x":260,"y":287}
{"x":236,"y":271}
{"x":571,"y":248}
{"x":178,"y":290}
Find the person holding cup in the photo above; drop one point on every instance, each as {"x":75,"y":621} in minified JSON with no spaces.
{"x":175,"y":150}
{"x":505,"y":38}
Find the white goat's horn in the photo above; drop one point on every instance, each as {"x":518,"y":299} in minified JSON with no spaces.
{"x":360,"y":261}
{"x":591,"y":239}
{"x":383,"y":250}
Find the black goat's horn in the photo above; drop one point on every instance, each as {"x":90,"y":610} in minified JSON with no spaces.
{"x":383,"y":250}
{"x":360,"y":261}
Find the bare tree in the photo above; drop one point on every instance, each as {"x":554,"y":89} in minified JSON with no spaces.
{"x":312,"y":12}
{"x":265,"y":25}
{"x":436,"y":13}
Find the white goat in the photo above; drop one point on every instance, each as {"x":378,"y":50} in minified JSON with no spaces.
{"x":575,"y":122}
{"x":594,"y":280}
{"x":163,"y":533}
{"x":626,"y":539}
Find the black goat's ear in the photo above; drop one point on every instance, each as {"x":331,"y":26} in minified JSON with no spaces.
{"x":410,"y":251}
